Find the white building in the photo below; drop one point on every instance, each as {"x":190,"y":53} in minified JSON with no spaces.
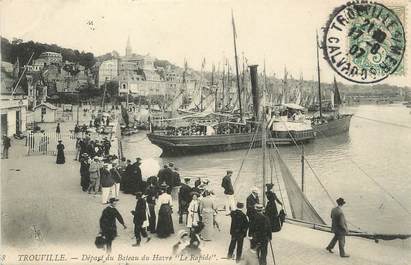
{"x":13,"y":115}
{"x":108,"y":70}
{"x":45,"y":112}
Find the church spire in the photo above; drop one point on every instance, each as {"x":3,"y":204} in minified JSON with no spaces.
{"x":129,"y":50}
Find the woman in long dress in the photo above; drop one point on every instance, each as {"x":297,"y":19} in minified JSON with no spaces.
{"x":193,"y":216}
{"x":271,"y":208}
{"x":164,"y":222}
{"x":60,"y":153}
{"x":84,"y":172}
{"x":207,"y":211}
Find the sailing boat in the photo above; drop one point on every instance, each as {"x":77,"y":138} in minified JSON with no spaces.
{"x":336,"y":123}
{"x":209,"y":131}
{"x":302,"y":211}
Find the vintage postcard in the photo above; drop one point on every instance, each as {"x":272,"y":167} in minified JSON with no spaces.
{"x":205,"y":132}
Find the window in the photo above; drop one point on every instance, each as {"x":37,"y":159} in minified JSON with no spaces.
{"x":43,"y":110}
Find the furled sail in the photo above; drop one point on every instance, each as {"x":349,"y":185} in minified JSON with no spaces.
{"x":337,"y":97}
{"x":301,"y":208}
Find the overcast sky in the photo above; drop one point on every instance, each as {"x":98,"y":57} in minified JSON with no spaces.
{"x":281,"y":32}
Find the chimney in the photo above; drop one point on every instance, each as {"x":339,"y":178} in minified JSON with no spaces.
{"x":254,"y":90}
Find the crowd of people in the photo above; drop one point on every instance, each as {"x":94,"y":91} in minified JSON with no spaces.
{"x":197,"y":210}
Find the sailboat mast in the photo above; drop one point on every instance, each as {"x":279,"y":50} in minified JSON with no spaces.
{"x":236,"y":67}
{"x":319,"y":80}
{"x":223,"y":92}
{"x":302,"y":168}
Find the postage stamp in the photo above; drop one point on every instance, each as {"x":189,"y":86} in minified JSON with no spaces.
{"x":364,"y":42}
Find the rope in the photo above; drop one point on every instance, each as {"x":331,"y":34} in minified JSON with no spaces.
{"x":376,"y":182}
{"x":246,"y":155}
{"x":278,"y":181}
{"x":383,"y":122}
{"x":316,"y":176}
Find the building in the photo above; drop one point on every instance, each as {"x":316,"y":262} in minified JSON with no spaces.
{"x":108,"y":70}
{"x":45,"y":112}
{"x":46,"y":59}
{"x":13,"y":115}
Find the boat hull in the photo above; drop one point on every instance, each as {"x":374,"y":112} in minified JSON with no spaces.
{"x":333,"y":127}
{"x":194,"y":144}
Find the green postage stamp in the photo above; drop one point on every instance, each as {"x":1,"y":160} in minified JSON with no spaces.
{"x":364,"y":41}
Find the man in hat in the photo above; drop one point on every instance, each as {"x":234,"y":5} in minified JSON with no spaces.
{"x":6,"y":145}
{"x":184,"y":199}
{"x":229,"y":192}
{"x":165,"y":175}
{"x":260,"y":231}
{"x":176,"y":182}
{"x":136,"y":179}
{"x":106,"y":146}
{"x":238,"y":230}
{"x":151,"y":196}
{"x":140,"y":216}
{"x":108,"y":226}
{"x":94,"y":171}
{"x":252,"y":200}
{"x":115,"y":175}
{"x":339,"y":228}
{"x":107,"y":184}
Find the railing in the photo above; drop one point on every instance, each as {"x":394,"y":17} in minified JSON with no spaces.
{"x":46,"y":143}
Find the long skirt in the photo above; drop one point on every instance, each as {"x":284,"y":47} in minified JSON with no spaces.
{"x":207,"y":219}
{"x":165,"y":222}
{"x":85,"y":179}
{"x":60,"y":157}
{"x":272,"y":214}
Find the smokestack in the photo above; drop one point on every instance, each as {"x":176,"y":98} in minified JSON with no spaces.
{"x":254,"y":90}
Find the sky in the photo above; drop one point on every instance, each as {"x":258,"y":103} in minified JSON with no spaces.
{"x":281,"y":32}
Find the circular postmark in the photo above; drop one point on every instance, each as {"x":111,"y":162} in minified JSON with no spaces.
{"x":364,"y":42}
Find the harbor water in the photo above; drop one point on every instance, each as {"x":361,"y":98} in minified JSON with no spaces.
{"x":370,"y":167}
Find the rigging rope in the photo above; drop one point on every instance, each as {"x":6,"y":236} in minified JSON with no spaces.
{"x":246,"y":155}
{"x":316,"y":176}
{"x":374,"y":181}
{"x":384,"y":122}
{"x":271,"y":156}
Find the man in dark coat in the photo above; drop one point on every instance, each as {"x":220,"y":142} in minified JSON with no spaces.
{"x":125,"y":178}
{"x":137,"y":178}
{"x":165,"y":175}
{"x":252,"y":200}
{"x":151,"y":196}
{"x":339,"y":228}
{"x":140,"y":216}
{"x":108,"y":226}
{"x":184,"y":199}
{"x":6,"y":145}
{"x":260,"y":228}
{"x":106,"y":146}
{"x":228,"y":191}
{"x":238,"y":230}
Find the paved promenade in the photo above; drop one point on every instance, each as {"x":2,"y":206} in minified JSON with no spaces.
{"x":44,"y":211}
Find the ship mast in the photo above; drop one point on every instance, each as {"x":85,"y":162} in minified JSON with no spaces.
{"x":319,"y":81}
{"x":236,"y":67}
